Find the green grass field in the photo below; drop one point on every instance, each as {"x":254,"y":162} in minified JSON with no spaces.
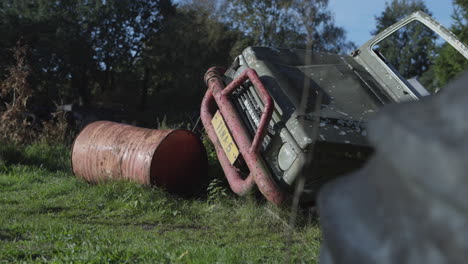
{"x":46,"y":215}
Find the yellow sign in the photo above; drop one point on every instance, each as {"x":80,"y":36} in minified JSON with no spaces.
{"x":225,"y":138}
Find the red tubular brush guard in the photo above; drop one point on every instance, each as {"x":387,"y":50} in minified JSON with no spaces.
{"x":217,"y":97}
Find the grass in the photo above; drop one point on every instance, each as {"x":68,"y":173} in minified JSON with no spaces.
{"x":46,"y":215}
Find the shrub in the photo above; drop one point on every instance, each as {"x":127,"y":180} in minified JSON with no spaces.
{"x":18,"y":123}
{"x":15,"y":92}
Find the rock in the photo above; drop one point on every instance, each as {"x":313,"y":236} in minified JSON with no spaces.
{"x":409,"y":204}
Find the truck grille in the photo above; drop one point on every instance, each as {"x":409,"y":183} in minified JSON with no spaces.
{"x":250,"y":111}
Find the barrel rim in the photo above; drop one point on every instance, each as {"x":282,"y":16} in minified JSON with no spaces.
{"x":173,"y":131}
{"x":194,"y":137}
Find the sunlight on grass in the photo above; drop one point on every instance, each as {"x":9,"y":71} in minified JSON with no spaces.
{"x":49,"y":216}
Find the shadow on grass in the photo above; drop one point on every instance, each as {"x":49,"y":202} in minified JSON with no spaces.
{"x":42,"y":155}
{"x":10,"y":235}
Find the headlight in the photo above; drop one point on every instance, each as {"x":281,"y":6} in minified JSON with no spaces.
{"x":286,"y":156}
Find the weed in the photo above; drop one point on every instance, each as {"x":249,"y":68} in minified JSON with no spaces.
{"x":218,"y":187}
{"x":216,"y":190}
{"x":57,"y":129}
{"x":162,"y":124}
{"x":15,"y":93}
{"x":18,"y":123}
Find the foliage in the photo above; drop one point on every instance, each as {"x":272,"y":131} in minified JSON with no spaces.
{"x":80,"y":46}
{"x":321,"y":34}
{"x":414,"y":51}
{"x":266,"y":21}
{"x":18,"y":121}
{"x":449,"y":63}
{"x":292,"y":24}
{"x":216,"y":190}
{"x":409,"y":49}
{"x":178,"y":56}
{"x":218,"y":187}
{"x":147,"y":57}
{"x":122,"y":32}
{"x":60,"y":50}
{"x":49,"y":216}
{"x":58,"y":129}
{"x":15,"y":93}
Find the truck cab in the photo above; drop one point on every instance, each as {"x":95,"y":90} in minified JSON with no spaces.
{"x":322,"y":103}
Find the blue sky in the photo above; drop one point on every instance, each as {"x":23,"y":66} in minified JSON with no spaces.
{"x":358,"y":17}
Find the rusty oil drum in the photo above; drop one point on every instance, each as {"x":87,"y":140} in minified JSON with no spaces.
{"x":171,"y":159}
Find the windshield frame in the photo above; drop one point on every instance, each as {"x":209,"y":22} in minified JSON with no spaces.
{"x":396,"y":85}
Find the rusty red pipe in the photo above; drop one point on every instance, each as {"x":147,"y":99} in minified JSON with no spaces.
{"x":217,"y":95}
{"x":237,"y":184}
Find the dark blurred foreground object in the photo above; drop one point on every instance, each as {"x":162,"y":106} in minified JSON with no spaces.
{"x":409,"y":204}
{"x":171,"y":159}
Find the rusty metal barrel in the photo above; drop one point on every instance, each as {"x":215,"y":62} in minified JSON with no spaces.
{"x":171,"y":159}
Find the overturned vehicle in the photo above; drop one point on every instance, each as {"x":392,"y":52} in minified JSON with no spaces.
{"x":282,"y":118}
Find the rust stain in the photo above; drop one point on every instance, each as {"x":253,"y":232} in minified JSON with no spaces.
{"x":172,"y":159}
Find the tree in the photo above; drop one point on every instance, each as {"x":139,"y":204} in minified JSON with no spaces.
{"x":291,"y":24}
{"x":180,"y":53}
{"x":14,"y":96}
{"x":81,"y":48}
{"x":409,"y":49}
{"x":58,"y":33}
{"x":121,"y":29}
{"x":449,"y":63}
{"x":266,"y":21}
{"x":321,"y":34}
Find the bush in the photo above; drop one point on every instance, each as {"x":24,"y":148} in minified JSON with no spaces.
{"x":15,"y":92}
{"x":18,"y":122}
